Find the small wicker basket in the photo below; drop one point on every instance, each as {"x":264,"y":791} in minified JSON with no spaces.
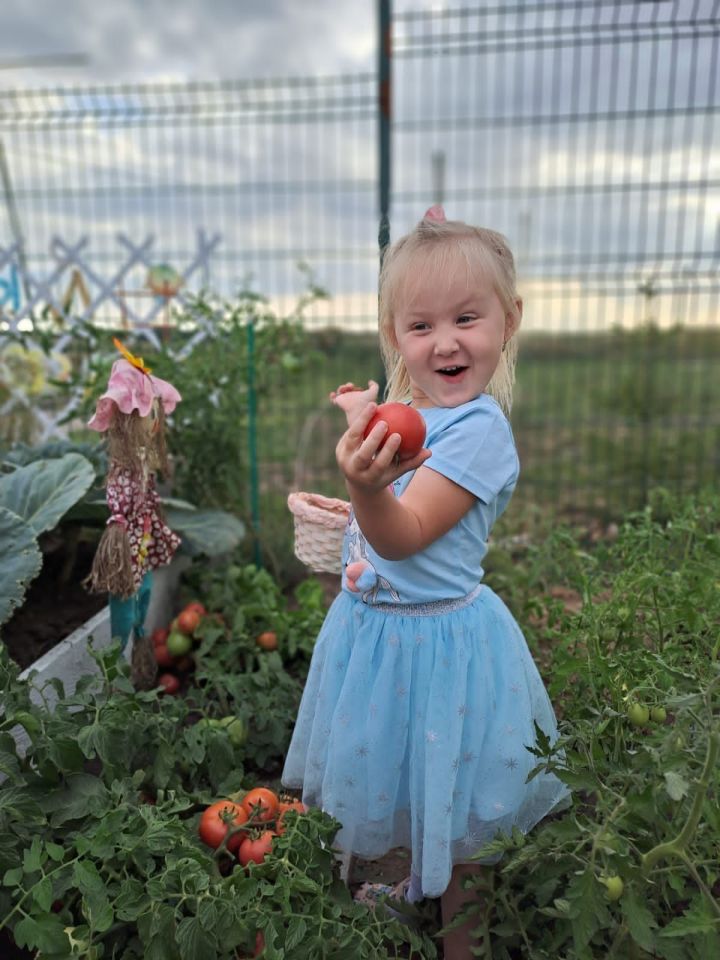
{"x":319,"y":529}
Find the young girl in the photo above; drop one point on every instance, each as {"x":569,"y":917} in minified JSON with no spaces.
{"x":422,"y":695}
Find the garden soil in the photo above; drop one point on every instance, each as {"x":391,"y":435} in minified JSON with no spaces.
{"x":55,"y":605}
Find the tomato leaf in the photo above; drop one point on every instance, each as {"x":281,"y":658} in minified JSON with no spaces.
{"x":676,"y":785}
{"x":195,"y":941}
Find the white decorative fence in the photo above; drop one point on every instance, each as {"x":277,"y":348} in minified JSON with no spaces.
{"x":35,"y":304}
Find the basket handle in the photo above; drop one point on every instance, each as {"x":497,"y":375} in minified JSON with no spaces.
{"x":304,"y":444}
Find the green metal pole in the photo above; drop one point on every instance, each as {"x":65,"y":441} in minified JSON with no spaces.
{"x":384,"y":156}
{"x":384,"y":112}
{"x":252,"y":444}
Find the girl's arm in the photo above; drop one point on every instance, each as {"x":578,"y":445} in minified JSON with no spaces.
{"x":396,"y":528}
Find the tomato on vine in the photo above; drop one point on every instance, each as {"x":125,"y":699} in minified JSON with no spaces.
{"x":217,"y":819}
{"x":260,"y":803}
{"x":638,"y":714}
{"x":283,"y":808}
{"x":658,"y":714}
{"x":614,"y":887}
{"x":255,"y":848}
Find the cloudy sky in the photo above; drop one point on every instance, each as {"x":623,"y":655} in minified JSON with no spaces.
{"x":595,"y":158}
{"x":136,"y":40}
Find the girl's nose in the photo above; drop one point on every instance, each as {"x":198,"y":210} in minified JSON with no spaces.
{"x":446,"y":343}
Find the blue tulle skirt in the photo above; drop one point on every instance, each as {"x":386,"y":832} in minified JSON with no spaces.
{"x":413,"y":730}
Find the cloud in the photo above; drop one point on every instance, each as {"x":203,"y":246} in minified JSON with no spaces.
{"x":140,"y":40}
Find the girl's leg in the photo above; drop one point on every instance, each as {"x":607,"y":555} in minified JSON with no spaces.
{"x":457,"y":943}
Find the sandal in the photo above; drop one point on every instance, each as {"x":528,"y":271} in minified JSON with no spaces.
{"x":372,"y":894}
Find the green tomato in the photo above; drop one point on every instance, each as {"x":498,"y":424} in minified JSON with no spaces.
{"x":178,"y":644}
{"x":638,"y":714}
{"x":614,"y":887}
{"x":235,"y":729}
{"x":658,"y":714}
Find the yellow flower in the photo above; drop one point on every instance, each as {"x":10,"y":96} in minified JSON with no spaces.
{"x":135,"y":361}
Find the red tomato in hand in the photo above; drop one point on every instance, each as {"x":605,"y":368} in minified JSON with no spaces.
{"x":260,"y":804}
{"x":169,"y":682}
{"x":403,"y":420}
{"x":188,"y":621}
{"x":217,"y":819}
{"x":255,"y":849}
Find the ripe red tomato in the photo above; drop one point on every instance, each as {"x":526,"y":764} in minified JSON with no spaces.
{"x":187,"y":621}
{"x":403,"y":420}
{"x":169,"y":682}
{"x":217,"y":819}
{"x":163,"y":656}
{"x":260,"y":804}
{"x":267,"y":640}
{"x":259,"y":943}
{"x":283,"y":808}
{"x":159,"y":636}
{"x":195,"y":607}
{"x":255,"y":849}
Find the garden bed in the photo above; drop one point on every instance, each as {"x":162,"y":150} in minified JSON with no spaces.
{"x":100,"y":824}
{"x":55,"y":605}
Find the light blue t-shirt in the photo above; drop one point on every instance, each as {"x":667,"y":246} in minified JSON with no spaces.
{"x":473,"y":446}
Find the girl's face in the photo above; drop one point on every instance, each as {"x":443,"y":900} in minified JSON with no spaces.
{"x":450,"y":335}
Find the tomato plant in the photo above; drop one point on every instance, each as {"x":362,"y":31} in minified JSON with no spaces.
{"x":159,"y":636}
{"x":260,"y":803}
{"x":267,"y":640}
{"x":638,"y":714}
{"x":178,"y":644}
{"x":187,"y":621}
{"x":195,"y":607}
{"x":404,"y":420}
{"x":163,"y":656}
{"x":255,"y":848}
{"x":169,"y":683}
{"x":217,"y":820}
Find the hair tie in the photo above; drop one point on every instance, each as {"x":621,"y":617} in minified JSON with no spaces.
{"x":436,"y":214}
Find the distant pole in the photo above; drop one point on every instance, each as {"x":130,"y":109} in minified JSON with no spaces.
{"x":252,"y":443}
{"x":384,"y":110}
{"x":437,"y":160}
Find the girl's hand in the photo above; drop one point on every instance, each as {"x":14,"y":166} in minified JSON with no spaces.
{"x":367,"y":466}
{"x":352,"y":399}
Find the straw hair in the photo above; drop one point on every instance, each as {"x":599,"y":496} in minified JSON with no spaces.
{"x":440,"y":246}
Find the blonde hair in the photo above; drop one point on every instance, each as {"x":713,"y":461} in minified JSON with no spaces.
{"x":485,"y":252}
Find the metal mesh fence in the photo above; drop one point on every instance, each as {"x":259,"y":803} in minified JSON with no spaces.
{"x":585,"y":131}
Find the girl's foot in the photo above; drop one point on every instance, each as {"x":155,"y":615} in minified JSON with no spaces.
{"x":372,"y":894}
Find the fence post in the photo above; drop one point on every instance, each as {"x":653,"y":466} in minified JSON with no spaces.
{"x":384,"y":109}
{"x":252,"y":442}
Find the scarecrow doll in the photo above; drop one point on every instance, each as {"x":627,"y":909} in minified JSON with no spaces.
{"x":136,"y":539}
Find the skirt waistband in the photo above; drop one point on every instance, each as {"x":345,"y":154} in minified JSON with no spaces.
{"x":431,"y":608}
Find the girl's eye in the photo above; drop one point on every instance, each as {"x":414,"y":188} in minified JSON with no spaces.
{"x":465,"y":318}
{"x":419,"y":326}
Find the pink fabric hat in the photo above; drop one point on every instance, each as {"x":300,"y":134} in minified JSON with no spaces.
{"x":130,"y":389}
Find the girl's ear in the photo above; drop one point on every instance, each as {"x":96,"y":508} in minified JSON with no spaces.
{"x":512,"y":320}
